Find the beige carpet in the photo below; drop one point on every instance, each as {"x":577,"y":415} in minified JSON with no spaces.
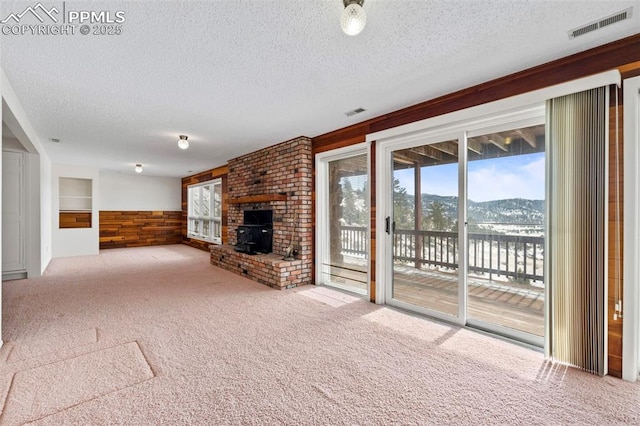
{"x":159,"y":336}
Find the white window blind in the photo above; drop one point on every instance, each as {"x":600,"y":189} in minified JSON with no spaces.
{"x":578,"y":153}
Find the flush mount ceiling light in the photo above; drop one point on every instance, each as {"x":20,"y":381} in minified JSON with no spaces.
{"x":353,"y":17}
{"x":183,"y":143}
{"x":138,"y":168}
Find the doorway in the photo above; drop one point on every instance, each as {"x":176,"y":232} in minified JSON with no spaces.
{"x":465,"y":225}
{"x":13,"y":216}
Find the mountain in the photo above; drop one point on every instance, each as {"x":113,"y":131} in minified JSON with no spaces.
{"x":510,"y":211}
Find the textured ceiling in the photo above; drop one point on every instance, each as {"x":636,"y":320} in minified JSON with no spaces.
{"x":240,"y":75}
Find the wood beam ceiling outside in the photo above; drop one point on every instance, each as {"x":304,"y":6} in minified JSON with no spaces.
{"x":475,"y":146}
{"x":450,"y":148}
{"x":428,"y":151}
{"x":528,"y":135}
{"x":498,"y":141}
{"x":408,"y":157}
{"x":494,"y":139}
{"x":353,"y":166}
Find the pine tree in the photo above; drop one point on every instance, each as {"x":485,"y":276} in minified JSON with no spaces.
{"x":349,"y":207}
{"x":437,"y":217}
{"x":403,"y":209}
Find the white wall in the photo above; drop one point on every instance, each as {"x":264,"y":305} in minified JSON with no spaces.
{"x":38,"y":219}
{"x":46,"y":220}
{"x":33,"y":219}
{"x":39,"y":245}
{"x":2,"y":90}
{"x":139,"y":192}
{"x":75,"y":241}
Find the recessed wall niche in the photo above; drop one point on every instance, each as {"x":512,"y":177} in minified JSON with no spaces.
{"x":75,"y":202}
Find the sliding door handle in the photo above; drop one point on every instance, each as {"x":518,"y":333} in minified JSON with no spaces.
{"x":387,"y":225}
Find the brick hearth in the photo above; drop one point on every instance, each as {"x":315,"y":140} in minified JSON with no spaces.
{"x":268,"y":269}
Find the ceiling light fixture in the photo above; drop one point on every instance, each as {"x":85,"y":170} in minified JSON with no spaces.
{"x":138,"y":168}
{"x":183,"y":143}
{"x":353,"y":17}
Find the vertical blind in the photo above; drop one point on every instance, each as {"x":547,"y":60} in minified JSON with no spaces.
{"x":578,"y":155}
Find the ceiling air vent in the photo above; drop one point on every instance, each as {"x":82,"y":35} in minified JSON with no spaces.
{"x":354,"y":112}
{"x":596,"y":25}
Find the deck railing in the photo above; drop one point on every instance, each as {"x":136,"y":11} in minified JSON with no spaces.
{"x":519,"y":257}
{"x":354,"y":240}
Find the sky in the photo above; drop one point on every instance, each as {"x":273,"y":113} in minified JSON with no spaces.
{"x":518,"y":176}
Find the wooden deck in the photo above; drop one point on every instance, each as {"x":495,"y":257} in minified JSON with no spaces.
{"x":511,"y":305}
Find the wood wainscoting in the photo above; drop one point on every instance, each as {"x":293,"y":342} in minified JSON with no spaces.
{"x":75,"y":219}
{"x":139,"y":228}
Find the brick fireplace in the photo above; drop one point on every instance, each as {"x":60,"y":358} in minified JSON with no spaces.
{"x":277,"y":178}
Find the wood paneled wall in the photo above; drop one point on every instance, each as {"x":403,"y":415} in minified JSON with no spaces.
{"x":219,"y":172}
{"x":75,"y":219}
{"x":616,"y":239}
{"x":622,"y":54}
{"x":139,"y":228}
{"x":372,"y":207}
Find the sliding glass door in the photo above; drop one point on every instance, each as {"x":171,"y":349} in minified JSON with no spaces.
{"x":506,"y":212}
{"x":343,"y":220}
{"x":465,"y":226}
{"x":425,"y":226}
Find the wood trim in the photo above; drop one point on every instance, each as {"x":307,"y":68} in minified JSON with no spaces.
{"x":262,"y":198}
{"x":621,"y":54}
{"x":341,"y":138}
{"x":372,"y":232}
{"x":630,"y":70}
{"x":207,"y":175}
{"x":616,"y":228}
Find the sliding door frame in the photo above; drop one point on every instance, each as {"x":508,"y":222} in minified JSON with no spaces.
{"x":460,"y":130}
{"x":384,"y":203}
{"x":322,"y":205}
{"x":631,"y":274}
{"x":527,"y":119}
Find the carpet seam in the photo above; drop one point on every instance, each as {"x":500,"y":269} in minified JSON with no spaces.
{"x":87,"y":400}
{"x":75,"y":356}
{"x":144,"y":355}
{"x":6,"y":397}
{"x":13,"y":346}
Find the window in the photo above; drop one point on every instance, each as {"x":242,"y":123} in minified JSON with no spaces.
{"x":342,"y":237}
{"x":205,"y":211}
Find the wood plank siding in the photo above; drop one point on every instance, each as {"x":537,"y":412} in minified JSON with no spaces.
{"x":139,"y":228}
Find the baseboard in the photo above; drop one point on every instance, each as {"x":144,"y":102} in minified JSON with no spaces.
{"x":9,"y":276}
